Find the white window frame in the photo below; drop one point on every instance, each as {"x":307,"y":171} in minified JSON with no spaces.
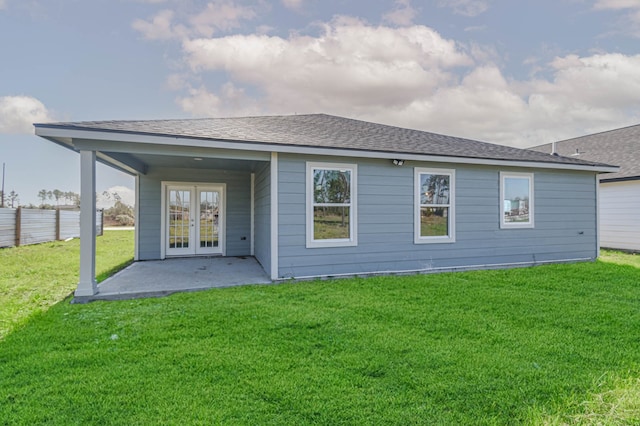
{"x":353,"y":206}
{"x":451,"y":238}
{"x":517,"y":225}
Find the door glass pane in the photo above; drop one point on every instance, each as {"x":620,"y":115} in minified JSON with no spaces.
{"x":209,"y":218}
{"x":179,"y":215}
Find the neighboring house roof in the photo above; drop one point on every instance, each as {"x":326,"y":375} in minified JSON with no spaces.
{"x":620,"y":147}
{"x":312,"y":131}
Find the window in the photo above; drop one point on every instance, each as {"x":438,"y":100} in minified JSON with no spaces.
{"x":516,"y":200}
{"x":331,"y":205}
{"x":434,"y":206}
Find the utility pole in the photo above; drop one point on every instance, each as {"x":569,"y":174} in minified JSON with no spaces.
{"x":2,"y":195}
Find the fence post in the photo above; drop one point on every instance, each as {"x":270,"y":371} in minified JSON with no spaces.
{"x":18,"y":225}
{"x":58,"y":224}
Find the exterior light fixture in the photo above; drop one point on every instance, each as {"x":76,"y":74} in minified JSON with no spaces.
{"x":398,"y":162}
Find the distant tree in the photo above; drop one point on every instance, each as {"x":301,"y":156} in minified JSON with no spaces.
{"x":120,"y":212}
{"x":14,"y":198}
{"x":42,"y":194}
{"x":57,"y":195}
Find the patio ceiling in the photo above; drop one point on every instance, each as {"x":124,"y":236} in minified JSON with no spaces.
{"x":148,"y":161}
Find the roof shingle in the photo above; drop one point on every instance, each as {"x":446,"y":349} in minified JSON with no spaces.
{"x":322,"y":131}
{"x":619,"y":147}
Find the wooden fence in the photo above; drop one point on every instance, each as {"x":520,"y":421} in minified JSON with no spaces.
{"x":19,"y":227}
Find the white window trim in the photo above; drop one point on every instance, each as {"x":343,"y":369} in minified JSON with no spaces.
{"x":451,"y":238}
{"x":517,"y":225}
{"x":353,"y":210}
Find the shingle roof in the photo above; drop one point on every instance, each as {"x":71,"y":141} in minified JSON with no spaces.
{"x":321,"y":131}
{"x":619,"y":147}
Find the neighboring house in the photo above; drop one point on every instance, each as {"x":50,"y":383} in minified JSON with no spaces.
{"x":620,"y":191}
{"x":319,"y":195}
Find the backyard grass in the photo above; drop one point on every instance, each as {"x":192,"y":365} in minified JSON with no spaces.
{"x":34,"y":277}
{"x":554,"y":345}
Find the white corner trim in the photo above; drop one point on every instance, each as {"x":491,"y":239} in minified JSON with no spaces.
{"x":353,"y":207}
{"x":274,"y":215}
{"x":136,"y":229}
{"x":451,"y":238}
{"x":597,"y":182}
{"x":253,"y":214}
{"x":532,"y":201}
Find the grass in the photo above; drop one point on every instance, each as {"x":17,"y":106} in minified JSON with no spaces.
{"x":34,"y":277}
{"x":549,"y":345}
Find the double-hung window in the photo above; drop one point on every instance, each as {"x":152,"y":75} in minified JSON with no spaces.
{"x":331,"y":205}
{"x":434,"y":206}
{"x":516,"y":200}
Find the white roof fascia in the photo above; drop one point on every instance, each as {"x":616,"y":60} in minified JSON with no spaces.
{"x":50,"y":132}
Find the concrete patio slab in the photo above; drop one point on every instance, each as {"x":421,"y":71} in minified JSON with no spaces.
{"x":157,"y":278}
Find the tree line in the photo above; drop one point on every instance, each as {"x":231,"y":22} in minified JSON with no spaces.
{"x":67,"y":198}
{"x":10,"y":200}
{"x":119,"y":214}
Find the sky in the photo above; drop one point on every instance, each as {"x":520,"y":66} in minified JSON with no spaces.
{"x":513,"y":72}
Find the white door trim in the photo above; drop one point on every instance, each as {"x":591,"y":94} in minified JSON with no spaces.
{"x":163,"y":213}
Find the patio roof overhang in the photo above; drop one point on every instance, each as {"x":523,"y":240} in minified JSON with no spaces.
{"x":136,"y":156}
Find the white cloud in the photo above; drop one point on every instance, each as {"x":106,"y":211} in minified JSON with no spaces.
{"x":220,"y":16}
{"x":127,"y":196}
{"x":201,"y":102}
{"x":617,"y":4}
{"x":351,"y":63}
{"x":402,"y":15}
{"x":292,"y":4}
{"x":217,"y":16}
{"x":230,"y":101}
{"x":410,"y":77}
{"x":629,"y":19}
{"x":466,"y":7}
{"x":3,"y":4}
{"x":18,"y":113}
{"x":158,"y":28}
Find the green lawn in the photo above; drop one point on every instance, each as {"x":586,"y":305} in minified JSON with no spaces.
{"x":555,"y":344}
{"x":34,"y":277}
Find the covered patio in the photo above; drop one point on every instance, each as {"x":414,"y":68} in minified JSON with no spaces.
{"x":157,"y":278}
{"x":203,"y":208}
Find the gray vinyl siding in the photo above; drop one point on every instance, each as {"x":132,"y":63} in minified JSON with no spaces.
{"x":238,"y":203}
{"x":565,"y":221}
{"x":262,"y":217}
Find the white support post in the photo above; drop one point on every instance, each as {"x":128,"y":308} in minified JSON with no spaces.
{"x":87,"y":285}
{"x":253,"y":214}
{"x":136,"y":246}
{"x":274,"y":216}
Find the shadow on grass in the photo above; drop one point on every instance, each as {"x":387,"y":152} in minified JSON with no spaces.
{"x":113,"y":270}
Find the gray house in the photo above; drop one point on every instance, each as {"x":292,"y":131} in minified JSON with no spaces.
{"x":619,"y":192}
{"x":319,"y":195}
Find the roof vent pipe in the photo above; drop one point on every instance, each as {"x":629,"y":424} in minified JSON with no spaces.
{"x":553,"y":148}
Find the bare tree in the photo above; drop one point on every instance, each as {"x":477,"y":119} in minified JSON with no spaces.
{"x":14,"y":198}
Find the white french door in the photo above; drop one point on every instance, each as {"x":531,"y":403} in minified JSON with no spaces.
{"x":194,"y":220}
